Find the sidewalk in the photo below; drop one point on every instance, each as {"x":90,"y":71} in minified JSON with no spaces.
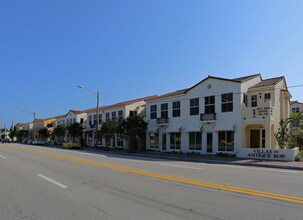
{"x":204,"y":158}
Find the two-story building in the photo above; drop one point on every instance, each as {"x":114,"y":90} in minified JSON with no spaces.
{"x":218,"y":115}
{"x":119,"y":110}
{"x":27,"y":126}
{"x":71,"y":117}
{"x":296,"y":106}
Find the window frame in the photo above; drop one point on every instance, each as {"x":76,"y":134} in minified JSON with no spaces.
{"x":227,"y":102}
{"x":120,"y":114}
{"x":107,"y":116}
{"x":176,"y":109}
{"x":267,"y":96}
{"x":114,"y":114}
{"x":254,"y":100}
{"x":209,"y":104}
{"x":153,"y":112}
{"x":164,"y":110}
{"x":175,"y":144}
{"x":154,"y":140}
{"x":194,"y":106}
{"x":196,"y":136}
{"x":223,"y":142}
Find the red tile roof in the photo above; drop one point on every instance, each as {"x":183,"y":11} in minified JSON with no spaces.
{"x":295,"y":102}
{"x":183,"y":91}
{"x":21,"y":123}
{"x":120,"y":104}
{"x":59,"y":116}
{"x":178,"y":92}
{"x":39,"y":120}
{"x":76,"y":111}
{"x":246,"y":78}
{"x":268,"y":82}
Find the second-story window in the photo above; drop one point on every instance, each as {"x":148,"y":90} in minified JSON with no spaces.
{"x":176,"y":109}
{"x":245,"y":99}
{"x":209,"y":105}
{"x":194,"y":106}
{"x":153,"y":111}
{"x":296,"y":110}
{"x":90,"y":120}
{"x":120,"y":113}
{"x":227,"y":102}
{"x":132,"y":113}
{"x":254,"y":100}
{"x":267,"y":96}
{"x":114,"y":115}
{"x":100,"y":119}
{"x":95,"y":119}
{"x":107,"y":116}
{"x":164,"y":110}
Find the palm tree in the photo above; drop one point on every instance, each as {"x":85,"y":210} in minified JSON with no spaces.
{"x":43,"y":133}
{"x":133,"y":129}
{"x":21,"y":134}
{"x":60,"y":132}
{"x":295,"y":120}
{"x":108,"y":129}
{"x":75,"y":130}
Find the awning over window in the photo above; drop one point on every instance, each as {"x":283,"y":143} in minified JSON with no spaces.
{"x":192,"y":128}
{"x":173,"y":129}
{"x":225,"y":127}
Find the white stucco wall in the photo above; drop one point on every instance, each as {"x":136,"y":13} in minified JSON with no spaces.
{"x":218,"y":87}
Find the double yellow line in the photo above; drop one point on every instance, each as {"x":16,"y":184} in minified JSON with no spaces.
{"x":245,"y":191}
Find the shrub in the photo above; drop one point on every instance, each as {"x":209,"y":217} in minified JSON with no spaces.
{"x":299,"y":156}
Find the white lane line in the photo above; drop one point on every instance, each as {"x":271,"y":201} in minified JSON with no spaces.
{"x":3,"y":157}
{"x":171,"y":165}
{"x":53,"y":181}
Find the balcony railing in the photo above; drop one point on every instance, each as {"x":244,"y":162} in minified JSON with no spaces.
{"x":208,"y":117}
{"x":162,"y":121}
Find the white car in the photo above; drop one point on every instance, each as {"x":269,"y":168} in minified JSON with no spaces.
{"x":38,"y":142}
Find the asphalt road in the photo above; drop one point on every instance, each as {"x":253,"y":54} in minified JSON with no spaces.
{"x":46,"y":183}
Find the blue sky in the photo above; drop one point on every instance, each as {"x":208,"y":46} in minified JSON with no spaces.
{"x":131,"y":49}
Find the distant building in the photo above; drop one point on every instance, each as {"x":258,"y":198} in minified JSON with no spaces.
{"x":296,"y":106}
{"x":119,"y":110}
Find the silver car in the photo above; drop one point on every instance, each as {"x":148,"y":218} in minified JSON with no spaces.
{"x":38,"y":142}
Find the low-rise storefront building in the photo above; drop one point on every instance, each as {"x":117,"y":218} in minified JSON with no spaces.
{"x":218,"y":115}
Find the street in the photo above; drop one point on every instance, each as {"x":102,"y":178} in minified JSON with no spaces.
{"x":51,"y":183}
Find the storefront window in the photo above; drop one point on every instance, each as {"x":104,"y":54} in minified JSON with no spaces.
{"x":175,"y":140}
{"x":154,"y":140}
{"x":226,"y":141}
{"x":195,"y":140}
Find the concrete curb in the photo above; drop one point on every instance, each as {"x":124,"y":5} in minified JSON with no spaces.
{"x":188,"y":159}
{"x":199,"y":160}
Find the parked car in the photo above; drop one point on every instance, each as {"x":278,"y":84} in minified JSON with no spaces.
{"x":6,"y":140}
{"x":38,"y":142}
{"x":24,"y":141}
{"x":29,"y":141}
{"x":71,"y":144}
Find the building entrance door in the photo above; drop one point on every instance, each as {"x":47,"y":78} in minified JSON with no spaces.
{"x":163,"y":142}
{"x":254,"y":138}
{"x":209,"y":142}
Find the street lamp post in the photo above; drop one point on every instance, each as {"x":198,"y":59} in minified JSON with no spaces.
{"x":97,"y":109}
{"x":34,"y":114}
